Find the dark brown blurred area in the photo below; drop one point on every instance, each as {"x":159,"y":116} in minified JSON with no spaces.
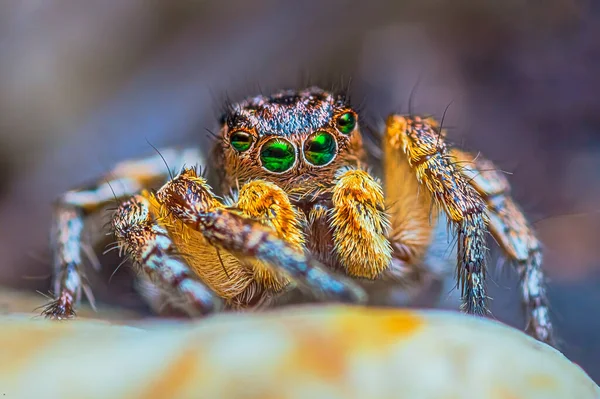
{"x":86,"y":84}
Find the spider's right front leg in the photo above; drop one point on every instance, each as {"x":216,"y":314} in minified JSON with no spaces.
{"x":73,"y":208}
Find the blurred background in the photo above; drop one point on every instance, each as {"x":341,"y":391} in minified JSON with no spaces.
{"x":84,"y":85}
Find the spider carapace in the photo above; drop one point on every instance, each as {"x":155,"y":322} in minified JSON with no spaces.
{"x":302,"y":210}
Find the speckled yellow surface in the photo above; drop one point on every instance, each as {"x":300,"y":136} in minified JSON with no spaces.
{"x":327,"y":352}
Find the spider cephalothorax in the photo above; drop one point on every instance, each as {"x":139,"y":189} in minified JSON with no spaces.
{"x":297,"y":140}
{"x":302,"y":210}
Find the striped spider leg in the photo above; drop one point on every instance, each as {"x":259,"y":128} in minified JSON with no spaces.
{"x":72,"y":209}
{"x":515,"y":235}
{"x":422,"y":174}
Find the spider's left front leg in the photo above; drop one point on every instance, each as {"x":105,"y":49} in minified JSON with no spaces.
{"x":420,"y":145}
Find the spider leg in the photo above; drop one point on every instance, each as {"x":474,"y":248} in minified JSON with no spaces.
{"x":189,"y":200}
{"x":515,"y":236}
{"x":413,"y":225}
{"x":152,"y":251}
{"x":360,"y":224}
{"x":269,"y":204}
{"x":75,"y":206}
{"x":441,"y":184}
{"x":251,"y":281}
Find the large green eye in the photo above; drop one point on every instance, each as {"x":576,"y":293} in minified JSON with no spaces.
{"x":346,"y":122}
{"x":240,"y":140}
{"x":320,"y":148}
{"x":277,"y":155}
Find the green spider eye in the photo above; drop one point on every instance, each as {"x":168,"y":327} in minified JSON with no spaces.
{"x":241,"y":140}
{"x":346,"y":122}
{"x":277,"y":155}
{"x":320,"y":148}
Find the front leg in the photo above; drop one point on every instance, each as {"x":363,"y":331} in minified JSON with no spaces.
{"x":360,"y":224}
{"x":189,"y":200}
{"x":421,"y":143}
{"x":268,"y":204}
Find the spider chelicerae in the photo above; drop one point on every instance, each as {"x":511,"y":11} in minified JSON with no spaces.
{"x":301,"y":210}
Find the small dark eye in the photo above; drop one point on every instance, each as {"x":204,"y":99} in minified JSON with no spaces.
{"x":240,"y":140}
{"x":320,"y":148}
{"x":346,"y":122}
{"x":277,"y":155}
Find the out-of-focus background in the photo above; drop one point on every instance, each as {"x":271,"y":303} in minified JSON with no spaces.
{"x":86,"y":84}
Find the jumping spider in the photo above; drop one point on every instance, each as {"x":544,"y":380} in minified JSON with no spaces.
{"x":303,"y":208}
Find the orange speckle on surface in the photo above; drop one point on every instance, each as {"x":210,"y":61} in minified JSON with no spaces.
{"x":380,"y":327}
{"x":324,"y":353}
{"x":321,"y":355}
{"x":401,"y":324}
{"x":179,"y":373}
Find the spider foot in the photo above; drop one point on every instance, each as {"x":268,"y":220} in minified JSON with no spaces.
{"x":62,"y":308}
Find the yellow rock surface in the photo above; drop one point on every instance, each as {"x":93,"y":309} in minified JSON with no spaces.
{"x":303,"y":352}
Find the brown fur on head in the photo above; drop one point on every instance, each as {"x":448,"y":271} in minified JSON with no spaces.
{"x":287,"y":117}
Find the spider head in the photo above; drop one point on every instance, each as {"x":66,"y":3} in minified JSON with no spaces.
{"x":296,"y":139}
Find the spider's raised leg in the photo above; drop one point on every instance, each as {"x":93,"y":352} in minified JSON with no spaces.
{"x":74,"y":206}
{"x":189,"y":200}
{"x":516,"y":237}
{"x":420,"y":143}
{"x":153,"y":253}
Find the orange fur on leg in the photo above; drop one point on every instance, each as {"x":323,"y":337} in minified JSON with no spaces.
{"x":219,"y":269}
{"x":360,"y":224}
{"x":409,"y":205}
{"x":269,"y":204}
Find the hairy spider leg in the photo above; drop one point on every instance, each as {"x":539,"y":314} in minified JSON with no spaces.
{"x":422,"y":144}
{"x":239,"y":282}
{"x":360,"y":224}
{"x":75,"y":206}
{"x":269,"y":204}
{"x":412,"y":220}
{"x":515,"y":236}
{"x":189,"y":200}
{"x":153,"y":253}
